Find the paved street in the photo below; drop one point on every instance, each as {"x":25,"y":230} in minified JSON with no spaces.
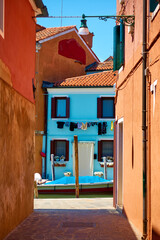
{"x":74,"y":219}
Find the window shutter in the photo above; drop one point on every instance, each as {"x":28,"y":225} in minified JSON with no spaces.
{"x":116,"y":48}
{"x":52,"y":147}
{"x":53,"y":108}
{"x":99,"y":150}
{"x":99,"y":107}
{"x":67,"y":107}
{"x":153,"y":5}
{"x":122,"y":36}
{"x":67,"y":150}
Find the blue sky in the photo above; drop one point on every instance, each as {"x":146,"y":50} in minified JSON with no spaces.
{"x":103,"y":31}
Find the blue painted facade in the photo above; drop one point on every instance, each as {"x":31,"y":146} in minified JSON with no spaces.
{"x":83,"y":108}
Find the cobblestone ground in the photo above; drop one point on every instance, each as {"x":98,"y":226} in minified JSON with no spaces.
{"x":92,"y":222}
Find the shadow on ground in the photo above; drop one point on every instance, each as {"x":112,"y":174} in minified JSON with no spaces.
{"x":68,"y":224}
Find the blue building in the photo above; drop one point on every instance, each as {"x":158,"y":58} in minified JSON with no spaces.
{"x":82,"y":106}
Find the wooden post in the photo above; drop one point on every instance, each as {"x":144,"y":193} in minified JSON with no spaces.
{"x":76,"y":166}
{"x":105,"y":168}
{"x":52,"y":167}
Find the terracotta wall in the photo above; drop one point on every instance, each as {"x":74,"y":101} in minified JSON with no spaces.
{"x":154,"y":68}
{"x":50,"y":66}
{"x":17,"y":115}
{"x":17,"y":158}
{"x":129,"y":106}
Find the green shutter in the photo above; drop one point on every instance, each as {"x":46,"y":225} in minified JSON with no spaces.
{"x":122,"y":27}
{"x":153,"y":5}
{"x":116,"y":48}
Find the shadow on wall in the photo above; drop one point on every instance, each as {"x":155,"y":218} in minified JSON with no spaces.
{"x":155,"y":235}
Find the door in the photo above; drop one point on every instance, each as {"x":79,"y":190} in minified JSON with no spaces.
{"x":120,"y":164}
{"x":85,"y":158}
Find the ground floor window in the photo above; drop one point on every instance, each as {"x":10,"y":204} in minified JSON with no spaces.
{"x":105,"y":149}
{"x":60,"y":149}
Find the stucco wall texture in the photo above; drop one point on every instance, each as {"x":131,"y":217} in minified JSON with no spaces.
{"x":129,"y":107}
{"x":17,"y":114}
{"x":52,"y":67}
{"x":17,"y":158}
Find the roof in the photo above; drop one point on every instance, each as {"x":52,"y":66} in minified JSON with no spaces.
{"x":48,"y":32}
{"x":102,"y":79}
{"x":101,"y":66}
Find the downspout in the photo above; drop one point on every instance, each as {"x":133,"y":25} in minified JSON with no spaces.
{"x":144,"y":127}
{"x":46,"y":127}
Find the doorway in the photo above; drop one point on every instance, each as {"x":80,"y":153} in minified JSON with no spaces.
{"x":120,"y":164}
{"x":85,"y":157}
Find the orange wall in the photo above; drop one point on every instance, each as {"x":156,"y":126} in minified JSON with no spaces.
{"x":53,"y":67}
{"x":154,"y":68}
{"x":129,"y":106}
{"x":17,"y":49}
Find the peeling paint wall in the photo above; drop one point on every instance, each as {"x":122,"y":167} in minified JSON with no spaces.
{"x":17,"y":158}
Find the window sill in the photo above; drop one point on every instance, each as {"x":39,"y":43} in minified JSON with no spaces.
{"x":109,"y":165}
{"x":59,"y":165}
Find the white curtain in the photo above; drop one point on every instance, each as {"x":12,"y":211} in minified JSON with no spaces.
{"x":85,"y":158}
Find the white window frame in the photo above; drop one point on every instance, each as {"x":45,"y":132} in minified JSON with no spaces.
{"x":2,"y":2}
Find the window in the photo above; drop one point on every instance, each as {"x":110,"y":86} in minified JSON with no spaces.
{"x":2,"y":18}
{"x":153,"y":5}
{"x":105,"y":107}
{"x":118,"y":46}
{"x":60,"y":148}
{"x":60,"y":107}
{"x":105,"y":149}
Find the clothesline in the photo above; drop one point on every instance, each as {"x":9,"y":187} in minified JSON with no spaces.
{"x":102,"y":126}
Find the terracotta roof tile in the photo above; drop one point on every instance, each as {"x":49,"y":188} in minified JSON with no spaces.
{"x":101,"y":66}
{"x":48,"y":32}
{"x":102,"y":79}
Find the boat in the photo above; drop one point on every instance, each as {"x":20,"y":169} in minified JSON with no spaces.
{"x":87,"y":184}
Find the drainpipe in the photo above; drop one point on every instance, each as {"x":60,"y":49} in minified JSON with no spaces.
{"x":46,"y":127}
{"x":144,"y":127}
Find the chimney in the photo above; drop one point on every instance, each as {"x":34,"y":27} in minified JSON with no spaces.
{"x":88,"y":38}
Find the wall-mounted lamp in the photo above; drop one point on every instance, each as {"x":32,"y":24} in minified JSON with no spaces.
{"x":127,"y":20}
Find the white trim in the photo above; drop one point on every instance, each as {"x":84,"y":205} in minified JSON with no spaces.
{"x":106,"y":139}
{"x":106,"y":119}
{"x":103,"y":90}
{"x":60,"y":139}
{"x":120,"y":120}
{"x":113,"y":95}
{"x":66,"y":32}
{"x":57,"y":96}
{"x":2,"y":30}
{"x":120,"y":70}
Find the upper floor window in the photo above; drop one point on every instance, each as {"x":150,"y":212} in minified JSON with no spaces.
{"x":2,"y":18}
{"x":105,"y":107}
{"x":60,"y":107}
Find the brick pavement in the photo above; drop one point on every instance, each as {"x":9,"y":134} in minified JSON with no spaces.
{"x":91,"y":222}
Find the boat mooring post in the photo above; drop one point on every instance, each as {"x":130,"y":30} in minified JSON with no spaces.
{"x":105,"y":167}
{"x":52,"y":167}
{"x":76,"y":165}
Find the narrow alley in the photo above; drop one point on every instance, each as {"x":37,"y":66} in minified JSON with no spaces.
{"x":74,"y":219}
